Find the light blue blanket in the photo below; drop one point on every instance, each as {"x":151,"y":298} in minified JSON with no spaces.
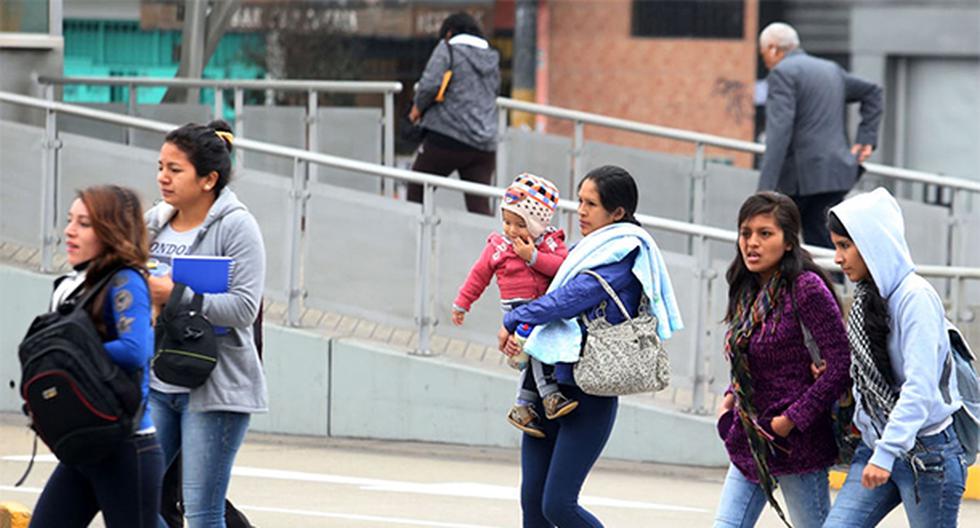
{"x":560,"y":341}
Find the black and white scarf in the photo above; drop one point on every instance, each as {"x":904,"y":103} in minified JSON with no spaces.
{"x":877,"y":397}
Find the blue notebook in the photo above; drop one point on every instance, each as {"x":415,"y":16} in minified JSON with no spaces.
{"x":204,"y":274}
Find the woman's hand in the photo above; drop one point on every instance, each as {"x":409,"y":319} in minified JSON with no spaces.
{"x":414,"y":114}
{"x":727,"y":404}
{"x":507,"y":344}
{"x":874,"y":476}
{"x":782,"y":425}
{"x":160,"y":288}
{"x":818,"y":370}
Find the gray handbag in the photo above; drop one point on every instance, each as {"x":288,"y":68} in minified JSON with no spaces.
{"x":625,"y":358}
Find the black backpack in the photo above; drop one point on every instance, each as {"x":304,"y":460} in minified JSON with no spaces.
{"x":80,"y":402}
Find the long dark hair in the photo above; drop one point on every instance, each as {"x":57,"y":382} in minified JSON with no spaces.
{"x":460,"y":23}
{"x":206,"y":150}
{"x":117,"y":219}
{"x":876,"y":316}
{"x":617,"y":188}
{"x":795,"y":261}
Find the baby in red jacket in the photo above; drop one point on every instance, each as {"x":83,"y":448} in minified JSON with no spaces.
{"x":524,"y":258}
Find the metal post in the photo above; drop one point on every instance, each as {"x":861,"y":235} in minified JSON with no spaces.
{"x":312,"y":133}
{"x":131,"y":111}
{"x":219,"y":103}
{"x":49,"y":185}
{"x":388,"y":131}
{"x":297,"y":236}
{"x":958,"y":222}
{"x":239,"y":127}
{"x":501,"y":161}
{"x":703,"y":274}
{"x":578,"y":170}
{"x":423,"y":298}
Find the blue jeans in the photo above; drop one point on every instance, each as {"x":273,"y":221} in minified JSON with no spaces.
{"x":125,"y":487}
{"x":554,"y":468}
{"x":941,"y":483}
{"x":807,"y":499}
{"x":208,"y":442}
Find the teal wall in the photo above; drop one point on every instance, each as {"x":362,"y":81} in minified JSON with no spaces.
{"x":107,"y":48}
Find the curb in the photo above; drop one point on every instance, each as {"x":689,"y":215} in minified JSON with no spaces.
{"x":972,"y":491}
{"x":14,"y":515}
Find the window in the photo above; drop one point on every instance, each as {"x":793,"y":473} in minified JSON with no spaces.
{"x":708,"y":19}
{"x":24,"y":16}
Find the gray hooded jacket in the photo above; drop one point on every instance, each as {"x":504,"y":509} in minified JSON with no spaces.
{"x":469,"y":112}
{"x":237,"y":383}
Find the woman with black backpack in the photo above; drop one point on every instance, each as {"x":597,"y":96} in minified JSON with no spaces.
{"x":106,"y":239}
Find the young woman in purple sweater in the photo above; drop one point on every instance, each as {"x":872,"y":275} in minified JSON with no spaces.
{"x":775,"y":419}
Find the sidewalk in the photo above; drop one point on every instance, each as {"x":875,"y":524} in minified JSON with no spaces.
{"x":286,"y":481}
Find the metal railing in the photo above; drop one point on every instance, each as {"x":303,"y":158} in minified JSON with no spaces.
{"x":699,"y":176}
{"x":312,"y":87}
{"x":424,"y":308}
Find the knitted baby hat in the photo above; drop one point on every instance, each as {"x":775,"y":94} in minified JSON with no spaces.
{"x":534,"y":199}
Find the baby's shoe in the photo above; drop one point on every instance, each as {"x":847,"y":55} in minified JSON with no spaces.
{"x":557,"y":405}
{"x":524,"y":418}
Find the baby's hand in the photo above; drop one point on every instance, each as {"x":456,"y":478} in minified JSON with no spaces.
{"x":523,"y":248}
{"x":458,"y":317}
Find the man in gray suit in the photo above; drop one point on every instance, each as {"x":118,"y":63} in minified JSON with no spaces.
{"x":807,"y":154}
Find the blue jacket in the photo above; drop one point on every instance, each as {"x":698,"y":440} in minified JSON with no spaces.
{"x":583,"y":293}
{"x":917,"y":341}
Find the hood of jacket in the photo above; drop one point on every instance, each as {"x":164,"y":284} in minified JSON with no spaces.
{"x":160,"y":214}
{"x":476,"y":51}
{"x":874,"y":221}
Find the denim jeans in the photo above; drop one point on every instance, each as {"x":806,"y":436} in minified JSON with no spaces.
{"x":941,"y":482}
{"x":208,"y":443}
{"x":807,"y":499}
{"x":125,"y":487}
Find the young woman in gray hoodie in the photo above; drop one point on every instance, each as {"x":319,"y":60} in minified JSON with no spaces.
{"x":461,"y":129}
{"x":199,"y":215}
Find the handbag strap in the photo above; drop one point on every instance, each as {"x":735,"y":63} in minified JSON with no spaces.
{"x":176,"y":294}
{"x":811,"y":344}
{"x":612,"y":293}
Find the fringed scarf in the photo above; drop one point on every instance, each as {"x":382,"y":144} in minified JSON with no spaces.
{"x":750,"y":316}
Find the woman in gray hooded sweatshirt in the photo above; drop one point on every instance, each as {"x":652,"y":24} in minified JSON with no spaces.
{"x":199,"y":215}
{"x":461,"y":129}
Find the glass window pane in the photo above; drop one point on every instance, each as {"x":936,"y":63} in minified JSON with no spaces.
{"x":24,"y":16}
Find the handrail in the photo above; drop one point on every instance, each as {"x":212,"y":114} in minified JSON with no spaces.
{"x":656,"y":222}
{"x":428,"y":221}
{"x":246,"y":84}
{"x":720,"y":141}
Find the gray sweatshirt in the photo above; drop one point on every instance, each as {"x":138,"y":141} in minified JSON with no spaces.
{"x":469,"y":112}
{"x":237,"y":383}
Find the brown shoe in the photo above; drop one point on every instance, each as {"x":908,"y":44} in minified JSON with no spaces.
{"x":524,"y":418}
{"x":557,"y":405}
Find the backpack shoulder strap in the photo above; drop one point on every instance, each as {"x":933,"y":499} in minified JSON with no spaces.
{"x":811,"y":344}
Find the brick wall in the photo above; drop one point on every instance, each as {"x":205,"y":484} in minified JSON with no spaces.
{"x":595,"y":65}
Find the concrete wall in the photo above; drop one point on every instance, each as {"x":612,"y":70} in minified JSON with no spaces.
{"x":356,"y":389}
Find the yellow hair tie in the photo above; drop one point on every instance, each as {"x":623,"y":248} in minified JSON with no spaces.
{"x":227,"y":136}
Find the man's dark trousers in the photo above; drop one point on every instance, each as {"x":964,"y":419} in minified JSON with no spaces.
{"x":813,"y":213}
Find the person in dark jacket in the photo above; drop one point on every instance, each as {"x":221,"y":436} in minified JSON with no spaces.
{"x":555,"y":467}
{"x":807,"y":154}
{"x":775,"y":418}
{"x":461,"y":128}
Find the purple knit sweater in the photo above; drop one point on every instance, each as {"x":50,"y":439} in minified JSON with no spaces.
{"x":783,"y":383}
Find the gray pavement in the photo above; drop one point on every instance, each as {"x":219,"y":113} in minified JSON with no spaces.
{"x":288,"y":481}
